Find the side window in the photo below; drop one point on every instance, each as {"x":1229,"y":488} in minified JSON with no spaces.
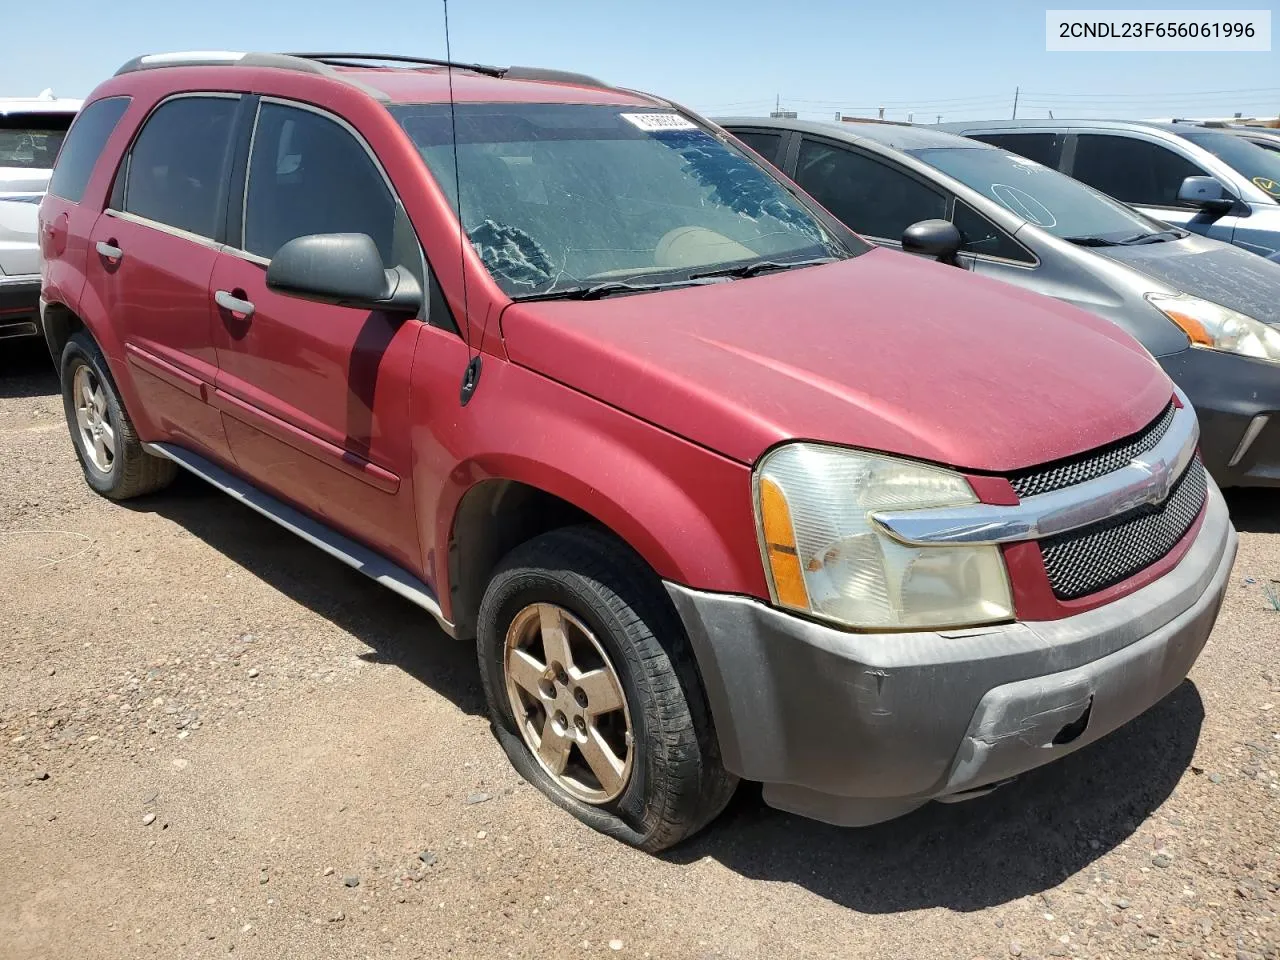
{"x":307,"y":175}
{"x":983,"y":237}
{"x":1045,"y":148}
{"x":767,"y":145}
{"x":868,"y":196}
{"x":177,"y":168}
{"x":83,"y":146}
{"x":1133,"y":171}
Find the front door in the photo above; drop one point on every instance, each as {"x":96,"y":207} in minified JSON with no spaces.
{"x":150,"y":258}
{"x":315,"y":397}
{"x":1147,"y":175}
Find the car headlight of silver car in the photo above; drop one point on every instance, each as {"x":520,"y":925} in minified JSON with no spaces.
{"x":826,"y":556}
{"x":1212,"y":325}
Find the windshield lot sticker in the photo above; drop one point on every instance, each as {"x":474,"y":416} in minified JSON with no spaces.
{"x":658,"y":122}
{"x":1024,"y":205}
{"x":1270,"y":186}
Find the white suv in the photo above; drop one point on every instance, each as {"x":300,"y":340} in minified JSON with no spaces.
{"x":31,"y":131}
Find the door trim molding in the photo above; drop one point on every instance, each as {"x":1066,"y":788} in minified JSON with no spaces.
{"x":304,"y":441}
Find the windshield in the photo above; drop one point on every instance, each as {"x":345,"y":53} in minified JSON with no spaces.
{"x":31,"y":141}
{"x":1260,"y":165}
{"x":562,"y":196}
{"x":1050,"y":200}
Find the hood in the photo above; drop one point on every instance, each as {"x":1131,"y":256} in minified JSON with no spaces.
{"x":1209,"y":269}
{"x":884,"y":351}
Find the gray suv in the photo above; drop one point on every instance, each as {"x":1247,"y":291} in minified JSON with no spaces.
{"x":1205,"y":180}
{"x":1200,"y":306}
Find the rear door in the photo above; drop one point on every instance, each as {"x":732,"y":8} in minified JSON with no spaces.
{"x":151,"y":255}
{"x":315,"y":397}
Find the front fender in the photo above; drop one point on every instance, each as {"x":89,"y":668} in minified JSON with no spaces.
{"x":685,"y":509}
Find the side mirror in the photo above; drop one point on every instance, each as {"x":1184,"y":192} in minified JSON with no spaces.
{"x":1207,"y":193}
{"x":343,"y":269}
{"x":933,"y":238}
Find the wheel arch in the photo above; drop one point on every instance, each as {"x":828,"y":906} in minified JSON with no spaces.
{"x":513,"y":500}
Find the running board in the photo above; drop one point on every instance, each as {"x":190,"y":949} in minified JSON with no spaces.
{"x":354,"y":555}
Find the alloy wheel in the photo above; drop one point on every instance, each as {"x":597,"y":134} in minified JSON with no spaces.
{"x":568,"y":703}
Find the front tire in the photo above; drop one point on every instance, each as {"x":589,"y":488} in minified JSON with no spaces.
{"x":110,"y":454}
{"x":593,"y":693}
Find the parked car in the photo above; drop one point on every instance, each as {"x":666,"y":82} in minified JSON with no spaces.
{"x":717,"y":489}
{"x":1266,"y":137}
{"x":1205,"y":180}
{"x":31,"y":131}
{"x":1197,"y":305}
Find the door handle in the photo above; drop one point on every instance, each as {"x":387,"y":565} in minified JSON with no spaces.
{"x":233,"y":304}
{"x":109,"y":250}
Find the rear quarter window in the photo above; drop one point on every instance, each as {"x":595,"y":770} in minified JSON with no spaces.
{"x":84,"y":144}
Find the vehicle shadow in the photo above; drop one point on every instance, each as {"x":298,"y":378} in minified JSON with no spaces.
{"x":26,"y":370}
{"x":1023,"y":839}
{"x":396,"y":632}
{"x":1254,"y":509}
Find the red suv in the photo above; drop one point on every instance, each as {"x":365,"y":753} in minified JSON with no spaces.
{"x":717,"y":489}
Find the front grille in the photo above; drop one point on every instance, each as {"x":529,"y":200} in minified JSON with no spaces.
{"x":1069,"y":472}
{"x":1092,"y":558}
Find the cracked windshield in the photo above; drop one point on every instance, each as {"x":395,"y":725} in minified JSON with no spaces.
{"x":561,"y":197}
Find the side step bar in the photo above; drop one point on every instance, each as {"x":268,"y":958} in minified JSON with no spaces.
{"x":354,"y":555}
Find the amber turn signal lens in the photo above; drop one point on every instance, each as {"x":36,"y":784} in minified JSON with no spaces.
{"x":1192,"y":327}
{"x":780,"y":547}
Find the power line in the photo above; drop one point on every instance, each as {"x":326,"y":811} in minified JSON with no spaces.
{"x":1164,"y":94}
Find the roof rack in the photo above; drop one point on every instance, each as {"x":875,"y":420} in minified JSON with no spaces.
{"x":323,"y":63}
{"x":368,"y":59}
{"x":505,"y":73}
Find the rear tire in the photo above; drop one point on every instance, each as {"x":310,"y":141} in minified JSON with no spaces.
{"x":663,"y":779}
{"x":106,"y":444}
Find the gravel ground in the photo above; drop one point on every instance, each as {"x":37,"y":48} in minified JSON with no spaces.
{"x":214,"y":739}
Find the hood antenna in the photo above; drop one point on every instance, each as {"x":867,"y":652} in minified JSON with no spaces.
{"x":471,"y":376}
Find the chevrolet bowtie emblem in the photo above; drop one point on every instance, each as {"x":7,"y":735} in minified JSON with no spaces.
{"x":1159,"y":480}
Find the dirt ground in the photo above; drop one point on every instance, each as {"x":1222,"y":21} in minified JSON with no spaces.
{"x":216,"y":740}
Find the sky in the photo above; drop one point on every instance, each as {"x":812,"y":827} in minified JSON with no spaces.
{"x":917,"y":60}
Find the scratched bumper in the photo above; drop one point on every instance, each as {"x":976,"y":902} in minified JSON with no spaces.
{"x":855,"y":728}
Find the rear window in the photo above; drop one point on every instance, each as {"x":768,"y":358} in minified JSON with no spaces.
{"x":84,"y":144}
{"x":1043,"y":148}
{"x":30,"y":141}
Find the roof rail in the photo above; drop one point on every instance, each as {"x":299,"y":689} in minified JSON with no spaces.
{"x":367,"y":59}
{"x":324,"y":63}
{"x":507,"y":73}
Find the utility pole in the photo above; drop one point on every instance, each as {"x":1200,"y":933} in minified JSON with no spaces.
{"x":882,"y":113}
{"x":911,"y":117}
{"x":1015,"y":102}
{"x":777,"y":103}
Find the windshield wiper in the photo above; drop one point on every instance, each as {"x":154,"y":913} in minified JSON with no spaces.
{"x":600,"y":290}
{"x":1092,"y":241}
{"x":1158,"y":236}
{"x":760,"y":266}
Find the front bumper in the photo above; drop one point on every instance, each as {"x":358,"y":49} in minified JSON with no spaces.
{"x":19,"y":306}
{"x":856,"y":728}
{"x":1237,"y":400}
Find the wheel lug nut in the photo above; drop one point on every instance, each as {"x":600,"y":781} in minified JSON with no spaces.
{"x":580,"y":696}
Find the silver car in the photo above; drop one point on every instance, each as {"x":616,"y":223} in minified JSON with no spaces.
{"x":31,"y":133}
{"x":1206,"y":180}
{"x":1209,"y":312}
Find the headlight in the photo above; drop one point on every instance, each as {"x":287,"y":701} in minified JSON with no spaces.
{"x":826,"y":556}
{"x":1217,"y":327}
